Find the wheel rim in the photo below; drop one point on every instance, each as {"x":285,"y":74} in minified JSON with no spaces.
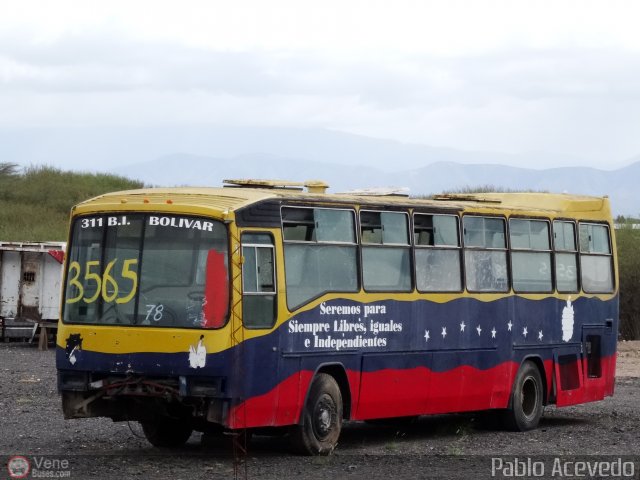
{"x":529,"y":395}
{"x":324,"y":415}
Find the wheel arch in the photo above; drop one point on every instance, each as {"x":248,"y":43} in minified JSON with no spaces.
{"x":539,"y":363}
{"x":339,"y":374}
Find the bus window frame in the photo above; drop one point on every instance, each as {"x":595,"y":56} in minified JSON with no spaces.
{"x":354,"y":212}
{"x":610,"y":255}
{"x":549,"y":251}
{"x":315,"y":242}
{"x":485,"y":249}
{"x":408,"y":246}
{"x":145,"y":215}
{"x":575,"y":252}
{"x":272,"y":247}
{"x":459,"y":248}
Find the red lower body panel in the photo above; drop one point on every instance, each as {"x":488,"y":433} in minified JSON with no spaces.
{"x":395,"y":393}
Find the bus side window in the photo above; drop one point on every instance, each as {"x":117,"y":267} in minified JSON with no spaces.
{"x":530,"y":255}
{"x":298,"y":224}
{"x":437,"y":253}
{"x":485,"y":254}
{"x":386,"y":262}
{"x":596,"y":261}
{"x":258,"y":281}
{"x":566,"y":256}
{"x":320,"y":253}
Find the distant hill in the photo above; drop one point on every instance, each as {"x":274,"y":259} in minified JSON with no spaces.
{"x":620,"y":185}
{"x":204,"y":155}
{"x":107,"y":148}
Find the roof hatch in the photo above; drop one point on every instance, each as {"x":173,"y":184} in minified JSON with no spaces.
{"x":312,"y":186}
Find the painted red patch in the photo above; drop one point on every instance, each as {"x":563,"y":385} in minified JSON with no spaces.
{"x":399,"y":393}
{"x":57,"y":254}
{"x":283,"y":402}
{"x":590,"y":389}
{"x":216,"y":291}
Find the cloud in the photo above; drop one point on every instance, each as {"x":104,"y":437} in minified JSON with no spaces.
{"x":581,"y":101}
{"x":100,"y":62}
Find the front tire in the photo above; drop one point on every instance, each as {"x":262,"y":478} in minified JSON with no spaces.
{"x":167,"y":432}
{"x":525,"y":409}
{"x":321,"y":422}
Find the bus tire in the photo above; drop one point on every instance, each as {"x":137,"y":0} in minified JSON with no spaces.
{"x":525,"y":408}
{"x":321,"y":422}
{"x":167,"y":432}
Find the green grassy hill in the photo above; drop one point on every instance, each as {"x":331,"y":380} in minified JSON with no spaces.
{"x":35,"y":203}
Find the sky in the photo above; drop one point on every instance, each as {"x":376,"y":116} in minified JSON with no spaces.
{"x":510,"y":76}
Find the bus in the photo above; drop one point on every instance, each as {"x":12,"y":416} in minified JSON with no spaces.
{"x":278,"y":306}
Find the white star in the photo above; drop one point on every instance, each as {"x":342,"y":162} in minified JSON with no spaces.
{"x":540,"y":335}
{"x":479,"y":330}
{"x":462,"y":325}
{"x":426,"y":335}
{"x":444,"y":332}
{"x":493,"y":332}
{"x":525,"y":331}
{"x":509,"y":325}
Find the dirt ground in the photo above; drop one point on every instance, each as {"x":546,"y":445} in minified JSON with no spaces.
{"x":443,"y":446}
{"x":628,"y":364}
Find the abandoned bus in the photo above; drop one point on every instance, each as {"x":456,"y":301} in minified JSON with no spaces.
{"x":262,"y":304}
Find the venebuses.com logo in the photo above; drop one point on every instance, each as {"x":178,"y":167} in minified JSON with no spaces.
{"x":20,"y":466}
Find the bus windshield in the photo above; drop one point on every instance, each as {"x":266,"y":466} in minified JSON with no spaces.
{"x":147,"y":270}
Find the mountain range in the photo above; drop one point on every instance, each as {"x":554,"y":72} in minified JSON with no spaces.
{"x":198,"y":155}
{"x":620,"y":185}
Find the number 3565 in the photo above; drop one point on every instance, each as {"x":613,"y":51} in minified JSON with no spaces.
{"x":105,"y":285}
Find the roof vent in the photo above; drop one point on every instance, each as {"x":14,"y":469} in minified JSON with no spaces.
{"x":316,"y":186}
{"x":313,"y":186}
{"x":461,"y":197}
{"x":379,"y":192}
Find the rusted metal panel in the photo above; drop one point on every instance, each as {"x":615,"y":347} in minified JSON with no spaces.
{"x":30,"y":280}
{"x":42,"y":247}
{"x":51,"y":285}
{"x":30,"y":285}
{"x":9,"y":283}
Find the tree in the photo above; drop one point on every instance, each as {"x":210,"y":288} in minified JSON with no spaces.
{"x":628,"y":240}
{"x":8,"y":169}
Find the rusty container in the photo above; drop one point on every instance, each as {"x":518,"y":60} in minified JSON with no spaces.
{"x":30,"y":279}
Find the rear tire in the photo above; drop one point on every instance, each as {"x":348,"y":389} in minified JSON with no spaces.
{"x":321,"y":422}
{"x":167,"y":432}
{"x":525,"y":408}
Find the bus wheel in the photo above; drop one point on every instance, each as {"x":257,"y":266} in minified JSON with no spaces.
{"x":167,"y":432}
{"x":319,"y":429}
{"x":525,"y":408}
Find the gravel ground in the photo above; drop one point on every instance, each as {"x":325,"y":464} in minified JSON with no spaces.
{"x":446,"y":446}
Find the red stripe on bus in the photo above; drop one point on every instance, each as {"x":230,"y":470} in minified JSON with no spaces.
{"x":419,"y":391}
{"x":280,"y":406}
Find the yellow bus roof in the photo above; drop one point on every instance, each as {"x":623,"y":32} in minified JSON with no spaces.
{"x":229,"y":199}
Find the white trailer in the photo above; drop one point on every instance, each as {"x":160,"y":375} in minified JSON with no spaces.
{"x":30,"y":279}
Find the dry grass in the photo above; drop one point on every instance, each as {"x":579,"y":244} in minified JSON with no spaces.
{"x":35,"y":203}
